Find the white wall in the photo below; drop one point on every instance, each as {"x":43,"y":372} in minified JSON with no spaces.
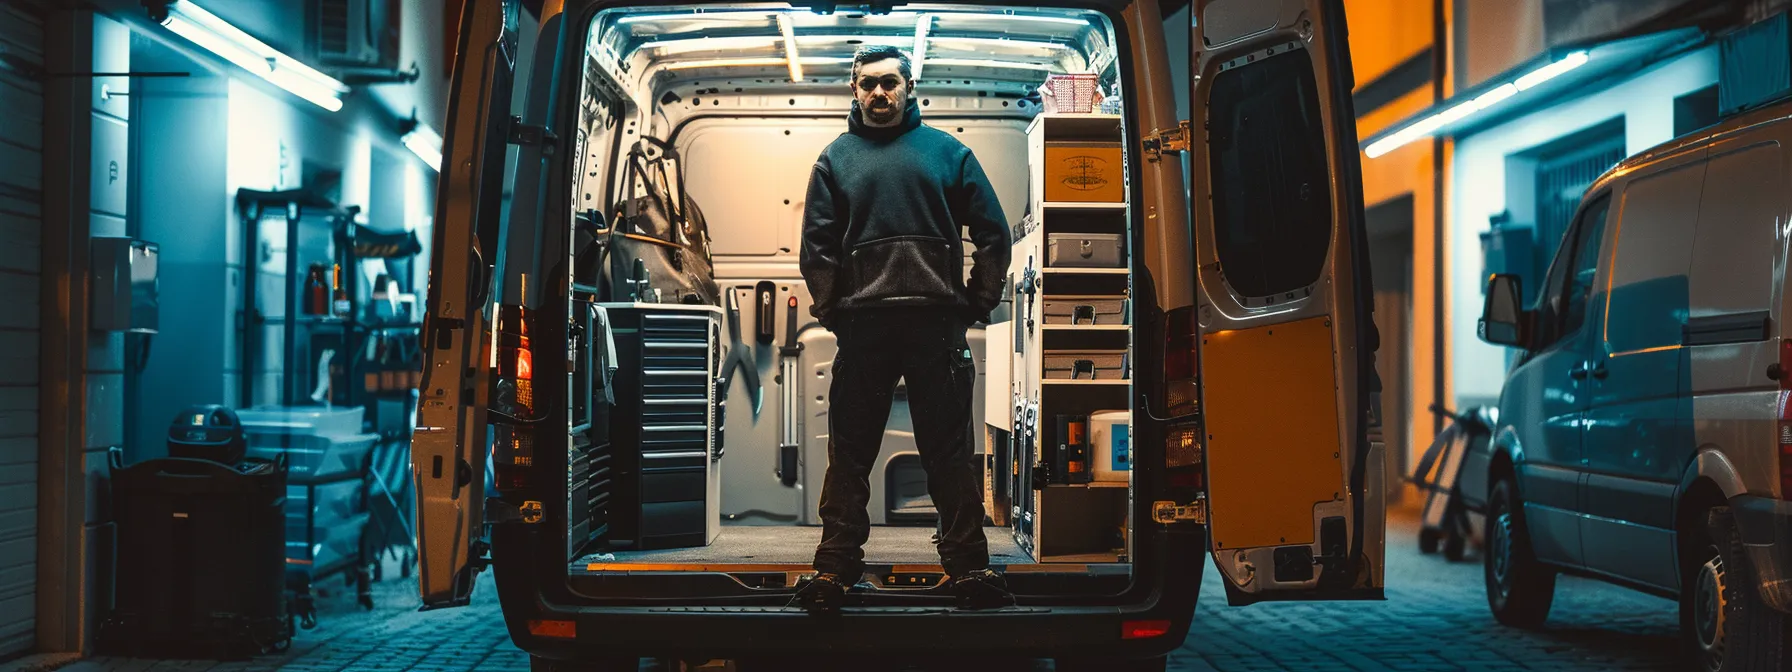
{"x":1478,"y":191}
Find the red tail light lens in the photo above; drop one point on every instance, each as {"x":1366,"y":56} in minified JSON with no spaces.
{"x":1182,"y":390}
{"x":1144,"y":629}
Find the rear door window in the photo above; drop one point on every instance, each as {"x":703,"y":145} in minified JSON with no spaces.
{"x":1271,"y":184}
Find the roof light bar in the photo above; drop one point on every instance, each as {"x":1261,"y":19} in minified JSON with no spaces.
{"x":1429,"y":125}
{"x":790,"y":55}
{"x":216,"y":35}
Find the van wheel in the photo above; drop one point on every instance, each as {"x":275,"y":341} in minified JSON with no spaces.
{"x":540,"y":664}
{"x":1155,"y":664}
{"x":1519,"y":588}
{"x":1723,"y":621}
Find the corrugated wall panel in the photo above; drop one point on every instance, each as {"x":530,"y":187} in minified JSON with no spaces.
{"x":21,"y":225}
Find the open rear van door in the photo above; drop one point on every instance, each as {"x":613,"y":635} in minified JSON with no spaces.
{"x":450,"y":443}
{"x":1295,"y":507}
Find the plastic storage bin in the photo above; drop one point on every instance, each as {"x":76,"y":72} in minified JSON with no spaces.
{"x":333,"y":421}
{"x":317,"y":458}
{"x":200,"y":564}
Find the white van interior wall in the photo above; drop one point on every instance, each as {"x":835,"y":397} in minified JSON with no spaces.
{"x":749,"y":171}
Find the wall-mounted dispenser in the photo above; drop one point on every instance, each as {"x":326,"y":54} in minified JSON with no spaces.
{"x":125,"y":296}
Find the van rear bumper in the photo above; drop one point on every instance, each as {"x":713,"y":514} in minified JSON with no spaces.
{"x":716,"y":631}
{"x":1765,"y":525}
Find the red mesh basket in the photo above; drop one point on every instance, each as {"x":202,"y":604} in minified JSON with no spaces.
{"x":1071,"y":93}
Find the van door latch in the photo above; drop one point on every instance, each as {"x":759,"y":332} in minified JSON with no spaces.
{"x":1166,"y":512}
{"x":1171,"y":140}
{"x":530,"y":135}
{"x":500,"y":511}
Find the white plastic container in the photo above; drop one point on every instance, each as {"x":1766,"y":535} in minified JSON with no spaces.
{"x":1109,"y":435}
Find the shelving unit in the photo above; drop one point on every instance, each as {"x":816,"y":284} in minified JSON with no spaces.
{"x":1065,"y":522}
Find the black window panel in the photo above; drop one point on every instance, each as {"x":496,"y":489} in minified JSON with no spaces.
{"x":1271,"y":183}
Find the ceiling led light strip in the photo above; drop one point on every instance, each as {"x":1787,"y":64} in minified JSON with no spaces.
{"x":790,"y":55}
{"x":923,"y":26}
{"x":426,"y":144}
{"x":216,"y":35}
{"x":751,"y":62}
{"x":1426,"y":127}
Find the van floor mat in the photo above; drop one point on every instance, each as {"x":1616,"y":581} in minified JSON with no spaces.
{"x":783,"y":544}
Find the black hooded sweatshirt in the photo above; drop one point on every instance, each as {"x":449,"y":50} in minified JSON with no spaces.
{"x":882,"y":224}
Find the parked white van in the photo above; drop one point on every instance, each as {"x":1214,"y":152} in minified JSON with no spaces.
{"x":1645,"y":435}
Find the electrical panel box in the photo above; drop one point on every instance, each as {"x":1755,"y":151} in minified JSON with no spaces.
{"x":125,"y":296}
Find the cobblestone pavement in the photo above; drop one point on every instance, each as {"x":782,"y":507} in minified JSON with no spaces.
{"x":1435,"y":618}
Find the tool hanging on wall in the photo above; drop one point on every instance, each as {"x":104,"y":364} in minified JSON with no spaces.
{"x":765,"y":315}
{"x":740,"y":356}
{"x":788,"y":354}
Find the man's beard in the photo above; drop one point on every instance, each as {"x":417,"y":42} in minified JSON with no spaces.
{"x":883,"y":112}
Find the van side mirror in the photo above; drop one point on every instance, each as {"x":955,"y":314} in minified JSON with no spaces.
{"x":1502,"y":320}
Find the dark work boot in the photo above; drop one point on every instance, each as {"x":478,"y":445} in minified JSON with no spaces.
{"x":982,"y":589}
{"x":823,"y":595}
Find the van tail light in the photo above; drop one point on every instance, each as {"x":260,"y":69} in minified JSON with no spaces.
{"x":513,"y":444}
{"x":1182,"y":388}
{"x":1144,"y":629}
{"x":1784,"y":442}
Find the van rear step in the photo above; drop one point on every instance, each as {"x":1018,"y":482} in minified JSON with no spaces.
{"x":650,"y":580}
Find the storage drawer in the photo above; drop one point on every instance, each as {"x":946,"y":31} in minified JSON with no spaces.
{"x":673,"y":486}
{"x":1085,"y":365}
{"x":1085,"y":250}
{"x":1097,"y":310}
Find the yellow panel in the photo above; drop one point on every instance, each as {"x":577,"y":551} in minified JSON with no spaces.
{"x":1272,"y":415}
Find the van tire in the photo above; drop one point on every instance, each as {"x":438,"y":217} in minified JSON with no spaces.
{"x":1519,"y":588}
{"x":1153,"y":664}
{"x":1724,"y":623}
{"x":540,"y":664}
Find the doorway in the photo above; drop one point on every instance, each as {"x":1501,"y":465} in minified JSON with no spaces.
{"x":1390,"y":262}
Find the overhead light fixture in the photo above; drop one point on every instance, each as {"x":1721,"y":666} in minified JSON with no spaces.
{"x":751,"y":62}
{"x":1429,"y":125}
{"x":975,"y":63}
{"x":923,"y":26}
{"x":790,"y":55}
{"x":1003,"y":42}
{"x":425,"y":143}
{"x":692,"y":44}
{"x":1015,"y":17}
{"x":232,"y":44}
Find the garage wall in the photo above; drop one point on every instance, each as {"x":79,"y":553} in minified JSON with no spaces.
{"x":21,"y":225}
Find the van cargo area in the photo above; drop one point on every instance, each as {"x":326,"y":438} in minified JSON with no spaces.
{"x":701,"y":422}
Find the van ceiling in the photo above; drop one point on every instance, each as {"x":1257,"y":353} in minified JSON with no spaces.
{"x":747,"y":40}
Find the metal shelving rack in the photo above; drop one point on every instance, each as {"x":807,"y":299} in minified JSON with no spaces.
{"x":1064,"y":522}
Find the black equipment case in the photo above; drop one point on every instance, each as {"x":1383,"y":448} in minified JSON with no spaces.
{"x":201,"y":552}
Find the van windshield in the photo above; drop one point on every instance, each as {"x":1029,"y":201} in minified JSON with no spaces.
{"x":703,"y":421}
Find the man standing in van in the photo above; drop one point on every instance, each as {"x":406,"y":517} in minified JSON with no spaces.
{"x":883,"y":260}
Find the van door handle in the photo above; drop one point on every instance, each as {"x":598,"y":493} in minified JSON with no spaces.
{"x":1600,"y":372}
{"x":1579,"y":372}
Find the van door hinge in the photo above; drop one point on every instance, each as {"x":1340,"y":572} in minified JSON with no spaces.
{"x":1166,"y":512}
{"x":531,"y":135}
{"x":1171,"y":140}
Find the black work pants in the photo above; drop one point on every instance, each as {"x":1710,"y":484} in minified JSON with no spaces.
{"x":925,"y":347}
